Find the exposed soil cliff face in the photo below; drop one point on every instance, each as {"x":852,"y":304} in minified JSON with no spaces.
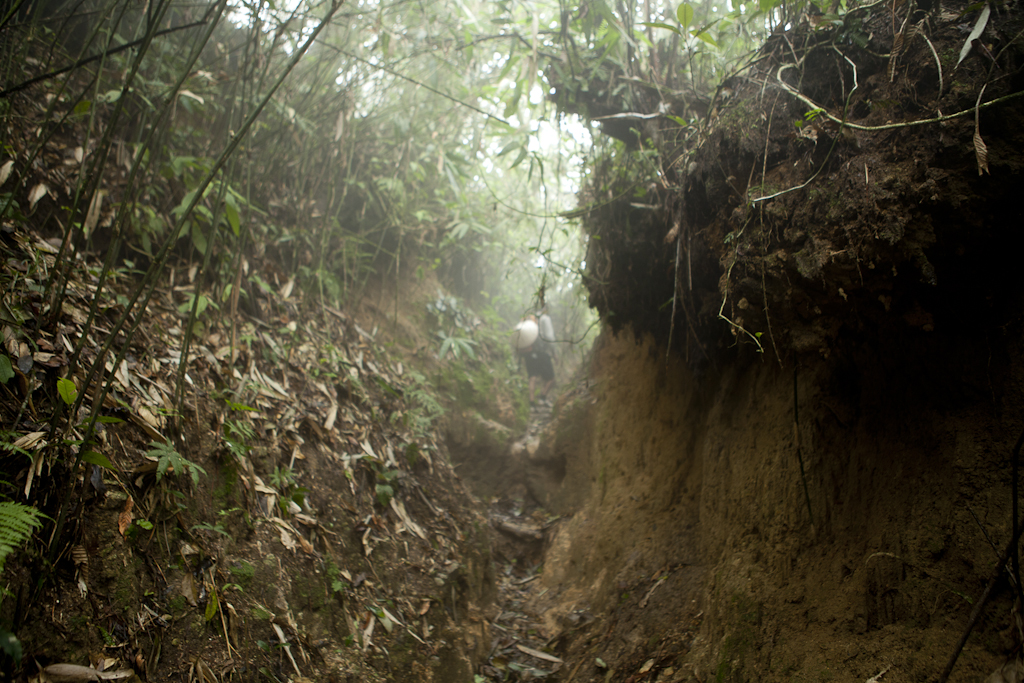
{"x":695,"y":545}
{"x":871,"y":267}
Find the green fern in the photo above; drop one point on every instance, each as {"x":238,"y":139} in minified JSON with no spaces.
{"x":171,"y":459}
{"x":17,"y":522}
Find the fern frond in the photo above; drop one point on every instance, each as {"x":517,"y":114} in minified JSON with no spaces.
{"x":17,"y":522}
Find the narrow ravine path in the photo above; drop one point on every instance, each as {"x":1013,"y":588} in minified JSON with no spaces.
{"x":521,"y":646}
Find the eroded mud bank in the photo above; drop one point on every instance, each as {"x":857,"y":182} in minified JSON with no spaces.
{"x":694,"y":544}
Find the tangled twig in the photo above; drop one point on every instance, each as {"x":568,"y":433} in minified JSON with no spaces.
{"x":888,"y":126}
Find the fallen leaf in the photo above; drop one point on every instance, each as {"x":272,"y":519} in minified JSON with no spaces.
{"x":188,"y":589}
{"x":368,"y":633}
{"x":307,"y":547}
{"x":122,"y":375}
{"x":981,"y":152}
{"x":538,"y":654}
{"x":412,"y":526}
{"x":80,"y":556}
{"x":332,"y":415}
{"x":37,"y":193}
{"x":35,"y":469}
{"x":232,"y":623}
{"x":1011,"y":672}
{"x":47,"y":359}
{"x":92,"y":217}
{"x":146,"y":414}
{"x":287,"y":540}
{"x":70,"y":673}
{"x":5,"y":171}
{"x":204,"y":673}
{"x":388,"y":625}
{"x":124,"y":520}
{"x":894,"y":53}
{"x":368,"y":449}
{"x":31,"y":441}
{"x":391,"y":616}
{"x":47,"y":247}
{"x":146,"y":427}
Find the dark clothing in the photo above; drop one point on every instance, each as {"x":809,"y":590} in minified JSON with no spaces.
{"x":538,"y":364}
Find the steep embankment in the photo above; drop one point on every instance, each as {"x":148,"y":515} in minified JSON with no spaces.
{"x":695,"y":545}
{"x":833,"y":506}
{"x":298,"y":521}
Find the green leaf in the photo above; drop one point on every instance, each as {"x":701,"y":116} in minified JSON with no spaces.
{"x":10,"y":645}
{"x":145,"y":524}
{"x":17,"y":522}
{"x":859,"y":38}
{"x":973,"y":7}
{"x":515,"y":144}
{"x":180,"y":209}
{"x":198,"y":238}
{"x":6,"y":369}
{"x":83,"y":107}
{"x":231,"y":213}
{"x":512,"y":59}
{"x":658,"y":24}
{"x":384,"y":494}
{"x":94,"y":458}
{"x":979,"y":28}
{"x":684,"y":13}
{"x":170,"y":458}
{"x":519,"y":159}
{"x":109,"y":419}
{"x":211,"y":606}
{"x":513,"y":102}
{"x":67,"y":390}
{"x":466,"y":345}
{"x":702,"y":35}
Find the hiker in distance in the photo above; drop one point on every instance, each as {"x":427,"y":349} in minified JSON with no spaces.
{"x":533,"y":342}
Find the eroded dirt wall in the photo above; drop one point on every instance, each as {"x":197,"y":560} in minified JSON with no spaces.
{"x":695,"y":549}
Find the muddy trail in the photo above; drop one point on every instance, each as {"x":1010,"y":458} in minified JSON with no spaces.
{"x":522,"y":645}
